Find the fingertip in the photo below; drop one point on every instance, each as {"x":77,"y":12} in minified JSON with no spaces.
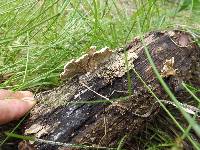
{"x":23,"y":106}
{"x":14,"y":109}
{"x":30,"y":101}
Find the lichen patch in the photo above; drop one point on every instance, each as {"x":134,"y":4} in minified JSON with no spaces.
{"x":168,"y":68}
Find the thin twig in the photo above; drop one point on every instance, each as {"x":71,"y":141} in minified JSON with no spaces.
{"x":95,"y":92}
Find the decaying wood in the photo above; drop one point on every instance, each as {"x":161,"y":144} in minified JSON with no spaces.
{"x":73,"y":112}
{"x":105,"y":124}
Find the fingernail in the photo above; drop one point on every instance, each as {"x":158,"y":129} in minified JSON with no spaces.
{"x":30,"y":100}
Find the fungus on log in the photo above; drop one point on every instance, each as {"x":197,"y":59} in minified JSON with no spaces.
{"x":102,"y":99}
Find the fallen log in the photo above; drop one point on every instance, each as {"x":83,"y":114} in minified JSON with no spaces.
{"x":103,"y":100}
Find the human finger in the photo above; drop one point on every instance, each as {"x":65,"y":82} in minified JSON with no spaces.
{"x":12,"y":109}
